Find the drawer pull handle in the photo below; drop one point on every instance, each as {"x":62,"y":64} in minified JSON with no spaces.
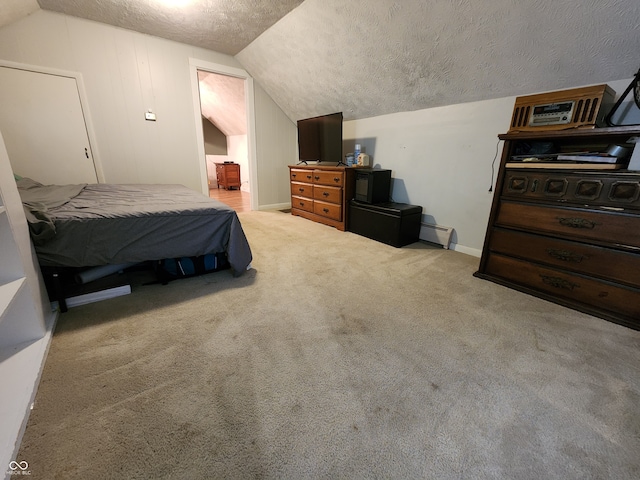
{"x":336,"y":179}
{"x":577,"y":223}
{"x":309,"y":177}
{"x":301,"y":190}
{"x":558,"y":282}
{"x":325,"y":210}
{"x":565,"y":255}
{"x":534,"y":185}
{"x":317,"y":177}
{"x":302,"y":204}
{"x":325,"y":194}
{"x":293,"y":175}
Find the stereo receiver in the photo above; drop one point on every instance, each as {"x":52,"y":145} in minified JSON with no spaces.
{"x":583,"y":107}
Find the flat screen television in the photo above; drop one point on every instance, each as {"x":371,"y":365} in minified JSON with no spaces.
{"x":320,"y":138}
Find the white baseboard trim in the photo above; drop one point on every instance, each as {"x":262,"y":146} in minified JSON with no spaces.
{"x":275,"y":206}
{"x":474,"y":252}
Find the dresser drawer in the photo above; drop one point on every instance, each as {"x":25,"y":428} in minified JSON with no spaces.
{"x":611,"y":227}
{"x":619,"y":190}
{"x":606,"y":263}
{"x":300,"y":175}
{"x":328,"y":194}
{"x":575,"y":288}
{"x":328,"y":177}
{"x":302,"y":189}
{"x":320,"y":193}
{"x":329,"y":210}
{"x":302,"y":203}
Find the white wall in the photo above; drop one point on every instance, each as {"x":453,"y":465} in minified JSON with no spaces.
{"x":441,"y":159}
{"x":125,"y":74}
{"x":237,"y":146}
{"x":277,"y":137}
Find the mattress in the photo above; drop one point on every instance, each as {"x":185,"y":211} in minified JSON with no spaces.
{"x":101,"y":224}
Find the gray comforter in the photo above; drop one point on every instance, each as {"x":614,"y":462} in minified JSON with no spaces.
{"x":100,"y":224}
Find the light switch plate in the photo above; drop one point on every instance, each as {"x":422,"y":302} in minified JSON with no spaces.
{"x":150,"y":116}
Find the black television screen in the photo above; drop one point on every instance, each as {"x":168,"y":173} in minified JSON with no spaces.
{"x":320,"y":138}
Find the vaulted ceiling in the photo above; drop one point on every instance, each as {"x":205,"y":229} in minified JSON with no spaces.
{"x":372,"y":57}
{"x":225,"y":26}
{"x":222,"y":102}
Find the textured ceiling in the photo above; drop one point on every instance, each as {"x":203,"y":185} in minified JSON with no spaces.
{"x":225,"y":26}
{"x":222,"y":102}
{"x":372,"y":57}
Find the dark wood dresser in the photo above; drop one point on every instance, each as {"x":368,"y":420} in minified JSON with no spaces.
{"x":321,"y":193}
{"x":568,"y":235}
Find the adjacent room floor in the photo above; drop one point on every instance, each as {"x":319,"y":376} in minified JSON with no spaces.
{"x":239,"y":200}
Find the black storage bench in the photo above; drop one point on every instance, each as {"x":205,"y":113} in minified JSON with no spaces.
{"x":396,"y":224}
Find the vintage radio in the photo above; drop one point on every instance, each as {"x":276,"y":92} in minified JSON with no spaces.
{"x":583,"y":107}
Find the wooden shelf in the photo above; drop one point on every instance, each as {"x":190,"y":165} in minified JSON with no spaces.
{"x":566,"y":166}
{"x":26,"y":321}
{"x":20,"y":370}
{"x":630,"y":131}
{"x":8,"y":292}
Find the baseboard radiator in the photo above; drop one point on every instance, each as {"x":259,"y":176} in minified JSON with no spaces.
{"x":436,"y":234}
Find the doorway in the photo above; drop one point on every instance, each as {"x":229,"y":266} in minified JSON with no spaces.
{"x":224,"y":127}
{"x":224,"y":109}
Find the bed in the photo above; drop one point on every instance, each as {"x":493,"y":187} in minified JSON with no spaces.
{"x":92,"y":225}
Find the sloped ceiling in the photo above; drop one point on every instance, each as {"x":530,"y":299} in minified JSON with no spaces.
{"x":225,"y":26}
{"x":222,"y":102}
{"x":11,"y":10}
{"x":372,"y":57}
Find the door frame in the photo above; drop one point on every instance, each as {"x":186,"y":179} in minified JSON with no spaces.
{"x":84,"y":105}
{"x":196,"y":64}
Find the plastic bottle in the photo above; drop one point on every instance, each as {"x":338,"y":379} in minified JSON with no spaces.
{"x":350,"y":161}
{"x":356,"y":153}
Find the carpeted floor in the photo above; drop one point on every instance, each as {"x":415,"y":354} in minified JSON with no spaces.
{"x":336,"y":357}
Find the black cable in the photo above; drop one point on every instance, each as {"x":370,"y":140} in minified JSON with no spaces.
{"x":634,"y":85}
{"x":493,"y":166}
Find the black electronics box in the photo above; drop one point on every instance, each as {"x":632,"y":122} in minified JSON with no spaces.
{"x":396,"y":224}
{"x":372,"y":185}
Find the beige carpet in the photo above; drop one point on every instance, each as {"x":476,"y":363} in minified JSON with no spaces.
{"x":336,"y":357}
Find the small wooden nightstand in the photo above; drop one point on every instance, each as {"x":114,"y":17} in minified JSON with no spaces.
{"x":228,"y":175}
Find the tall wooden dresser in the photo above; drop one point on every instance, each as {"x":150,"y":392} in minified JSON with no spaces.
{"x":569,"y":235}
{"x":322,"y":193}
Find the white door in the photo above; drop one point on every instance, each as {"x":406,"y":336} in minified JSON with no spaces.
{"x":43,"y":126}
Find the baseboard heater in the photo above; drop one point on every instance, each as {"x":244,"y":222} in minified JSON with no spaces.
{"x":436,"y":234}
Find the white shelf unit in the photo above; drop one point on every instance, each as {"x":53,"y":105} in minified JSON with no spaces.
{"x":26,"y":322}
